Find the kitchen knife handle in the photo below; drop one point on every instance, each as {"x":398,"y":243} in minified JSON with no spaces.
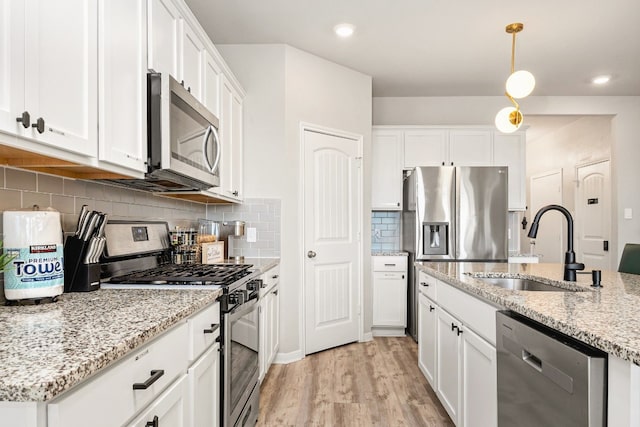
{"x":155,"y":376}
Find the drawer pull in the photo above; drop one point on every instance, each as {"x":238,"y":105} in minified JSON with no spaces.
{"x":453,"y":326}
{"x":155,"y":376}
{"x":212,"y":330}
{"x":389,"y":265}
{"x":275,"y":276}
{"x":425,"y":284}
{"x":153,"y":423}
{"x":431,"y":308}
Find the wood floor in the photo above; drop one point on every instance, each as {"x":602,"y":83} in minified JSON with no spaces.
{"x":377,"y":383}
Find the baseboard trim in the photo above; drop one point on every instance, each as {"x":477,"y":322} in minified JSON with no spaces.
{"x":286,"y":358}
{"x":368,"y":336}
{"x":388,"y":332}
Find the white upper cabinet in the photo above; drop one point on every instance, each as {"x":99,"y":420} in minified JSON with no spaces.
{"x":386,"y":170}
{"x":122,"y":90}
{"x":509,"y":150}
{"x":425,"y":147}
{"x":192,"y":61}
{"x":49,"y":72}
{"x":211,"y":84}
{"x":469,"y":147}
{"x":164,"y":26}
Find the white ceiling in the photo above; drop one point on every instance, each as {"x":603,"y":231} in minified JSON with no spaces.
{"x":449,"y":47}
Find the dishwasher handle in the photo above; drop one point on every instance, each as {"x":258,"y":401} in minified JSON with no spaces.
{"x":531,"y":360}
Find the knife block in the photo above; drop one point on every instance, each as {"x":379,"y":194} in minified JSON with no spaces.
{"x":78,"y":276}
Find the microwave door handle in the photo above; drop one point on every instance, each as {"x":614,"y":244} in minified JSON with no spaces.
{"x":216,"y":138}
{"x":205,"y":144}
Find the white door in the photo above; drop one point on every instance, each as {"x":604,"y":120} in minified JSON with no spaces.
{"x":12,"y":66}
{"x":204,"y":389}
{"x":546,"y":189}
{"x":332,"y":212}
{"x":427,"y":339}
{"x":169,"y":409}
{"x":593,"y":215}
{"x":479,"y":382}
{"x":163,"y":35}
{"x":448,"y":369}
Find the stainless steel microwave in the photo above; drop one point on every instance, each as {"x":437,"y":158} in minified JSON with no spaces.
{"x":183,"y":147}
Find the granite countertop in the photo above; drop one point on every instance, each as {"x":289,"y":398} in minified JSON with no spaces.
{"x":389,"y":253}
{"x":607,"y":318}
{"x":48,"y":348}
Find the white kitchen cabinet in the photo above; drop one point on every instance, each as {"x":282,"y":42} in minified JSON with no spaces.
{"x":269,"y":331}
{"x":448,"y":366}
{"x":211,"y":84}
{"x":510,"y":150}
{"x":470,"y":147}
{"x":389,"y":295}
{"x":192,"y":61}
{"x":425,"y":147}
{"x":122,"y":85}
{"x":204,"y":388}
{"x":49,"y":71}
{"x":427,"y":338}
{"x":386,"y":170}
{"x":169,"y":409}
{"x":479,"y":387}
{"x":231,"y":121}
{"x":164,"y":47}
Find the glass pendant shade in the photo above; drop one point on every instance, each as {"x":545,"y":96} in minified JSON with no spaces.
{"x":520,"y":84}
{"x":508,"y":120}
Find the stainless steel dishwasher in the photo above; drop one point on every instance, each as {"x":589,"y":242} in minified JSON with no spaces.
{"x":546,"y":378}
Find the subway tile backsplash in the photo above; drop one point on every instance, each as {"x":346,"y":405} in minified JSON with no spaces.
{"x":385,"y":231}
{"x":261,"y":214}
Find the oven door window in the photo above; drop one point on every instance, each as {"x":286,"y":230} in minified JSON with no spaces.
{"x":194,"y":140}
{"x":243,"y":359}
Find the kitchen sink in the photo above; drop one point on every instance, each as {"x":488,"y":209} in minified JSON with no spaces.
{"x":521,"y":284}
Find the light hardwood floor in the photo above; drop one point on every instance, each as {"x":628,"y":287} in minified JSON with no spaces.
{"x":377,"y":383}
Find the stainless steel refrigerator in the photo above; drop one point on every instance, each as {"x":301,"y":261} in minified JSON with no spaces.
{"x":453,"y":213}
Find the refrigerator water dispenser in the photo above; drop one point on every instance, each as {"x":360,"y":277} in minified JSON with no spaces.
{"x":435,"y":238}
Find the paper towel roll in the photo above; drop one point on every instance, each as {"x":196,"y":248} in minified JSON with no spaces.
{"x":35,"y":239}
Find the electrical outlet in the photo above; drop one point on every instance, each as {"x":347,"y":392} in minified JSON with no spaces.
{"x":252,"y":235}
{"x":377,"y":234}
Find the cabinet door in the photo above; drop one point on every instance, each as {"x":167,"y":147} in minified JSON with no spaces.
{"x":211,"y":89}
{"x":386,"y":170}
{"x":509,"y":150}
{"x":427,"y":339}
{"x":263,"y":337}
{"x":171,"y":408}
{"x":425,"y":147}
{"x":123,"y":83}
{"x":448,"y":369}
{"x":61,"y":59}
{"x":275,"y":324}
{"x":192,"y":61}
{"x":204,"y":388}
{"x":163,"y":37}
{"x":236,"y":146}
{"x":470,"y":147}
{"x":479,"y":381}
{"x":231,"y":139}
{"x":389,"y":299}
{"x":11,"y":65}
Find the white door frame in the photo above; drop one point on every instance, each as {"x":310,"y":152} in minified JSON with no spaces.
{"x":304,"y":127}
{"x":612,"y":243}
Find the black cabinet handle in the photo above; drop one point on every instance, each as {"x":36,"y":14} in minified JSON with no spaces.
{"x":25,"y":119}
{"x":275,"y":276}
{"x":155,"y":376}
{"x":275,"y":292}
{"x":153,"y":423}
{"x":39,"y":125}
{"x":398,"y":204}
{"x":182,"y":83}
{"x":459,"y":331}
{"x":431,"y":308}
{"x":425,"y":284}
{"x":235,"y":193}
{"x":212,"y":330}
{"x":453,"y":326}
{"x":189,"y":89}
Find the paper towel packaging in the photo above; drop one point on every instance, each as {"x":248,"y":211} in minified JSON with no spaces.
{"x":34,"y":239}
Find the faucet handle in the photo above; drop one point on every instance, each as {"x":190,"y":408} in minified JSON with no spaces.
{"x":574,"y":266}
{"x":596,"y":275}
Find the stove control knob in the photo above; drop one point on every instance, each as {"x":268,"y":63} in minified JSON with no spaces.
{"x":234,"y":298}
{"x":254,"y":285}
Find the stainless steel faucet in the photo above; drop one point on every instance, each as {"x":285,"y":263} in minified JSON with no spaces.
{"x":570,"y":264}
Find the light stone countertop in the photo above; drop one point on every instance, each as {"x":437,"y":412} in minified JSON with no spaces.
{"x":389,"y":253}
{"x":607,"y":318}
{"x":48,"y":348}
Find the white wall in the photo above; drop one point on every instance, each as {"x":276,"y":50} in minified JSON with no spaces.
{"x":298,"y":87}
{"x":625,"y":129}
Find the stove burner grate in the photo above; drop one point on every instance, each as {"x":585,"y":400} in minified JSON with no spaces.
{"x":193,"y":274}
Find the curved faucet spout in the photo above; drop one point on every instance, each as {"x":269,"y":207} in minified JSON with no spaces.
{"x":570,"y":264}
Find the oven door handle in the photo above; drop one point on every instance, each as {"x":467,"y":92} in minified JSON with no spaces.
{"x":242,"y":309}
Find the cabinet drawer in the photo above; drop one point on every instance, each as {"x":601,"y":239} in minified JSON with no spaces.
{"x":203,"y":330}
{"x":427,"y":285}
{"x":270,"y":279}
{"x":474,"y":313}
{"x":389,"y":263}
{"x":109,"y":399}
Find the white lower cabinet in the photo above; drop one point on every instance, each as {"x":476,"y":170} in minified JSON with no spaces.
{"x":204,"y":389}
{"x":389,"y":295}
{"x":454,"y":355}
{"x":269,"y":329}
{"x":169,"y":409}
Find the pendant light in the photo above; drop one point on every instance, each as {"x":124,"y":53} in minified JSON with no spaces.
{"x":519,"y":85}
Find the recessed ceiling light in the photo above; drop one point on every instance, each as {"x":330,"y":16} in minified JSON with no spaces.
{"x":600,"y":80}
{"x":344,"y":30}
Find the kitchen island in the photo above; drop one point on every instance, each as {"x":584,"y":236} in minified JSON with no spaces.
{"x":607,"y":318}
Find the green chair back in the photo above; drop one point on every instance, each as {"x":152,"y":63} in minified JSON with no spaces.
{"x":630,"y":260}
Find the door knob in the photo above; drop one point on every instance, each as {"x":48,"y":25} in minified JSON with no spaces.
{"x":311,"y":254}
